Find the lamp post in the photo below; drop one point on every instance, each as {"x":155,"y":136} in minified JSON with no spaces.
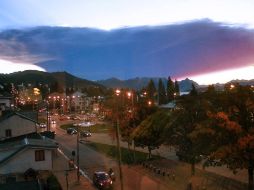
{"x":78,"y":174}
{"x":131,"y":95}
{"x":118,"y":141}
{"x":48,"y":123}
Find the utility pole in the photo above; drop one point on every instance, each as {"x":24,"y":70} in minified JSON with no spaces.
{"x":66,"y":179}
{"x":119,"y":154}
{"x":118,"y":142}
{"x":78,"y":174}
{"x":47,"y":110}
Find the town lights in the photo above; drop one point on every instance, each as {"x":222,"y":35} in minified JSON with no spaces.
{"x":149,"y":103}
{"x":232,"y":86}
{"x":129,"y":94}
{"x":118,"y":92}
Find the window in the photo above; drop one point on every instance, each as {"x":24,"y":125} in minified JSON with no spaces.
{"x":39,"y":155}
{"x":8,"y":133}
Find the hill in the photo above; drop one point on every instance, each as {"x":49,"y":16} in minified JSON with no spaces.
{"x":62,"y":80}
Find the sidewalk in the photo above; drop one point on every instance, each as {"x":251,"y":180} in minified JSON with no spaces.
{"x":60,"y":165}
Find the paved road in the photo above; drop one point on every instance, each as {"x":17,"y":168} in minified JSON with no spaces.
{"x":91,"y":161}
{"x":168,"y":153}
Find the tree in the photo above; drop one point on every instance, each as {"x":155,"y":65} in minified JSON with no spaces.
{"x":177,"y":89}
{"x":234,"y":128}
{"x":170,"y":89}
{"x":193,"y":91}
{"x":180,"y":131}
{"x":162,"y":99}
{"x":149,"y":132}
{"x":151,"y":90}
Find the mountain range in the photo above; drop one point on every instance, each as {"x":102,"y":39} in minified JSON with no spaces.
{"x":140,"y":82}
{"x":66,"y":80}
{"x":60,"y":80}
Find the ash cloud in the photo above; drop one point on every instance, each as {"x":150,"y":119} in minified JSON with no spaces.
{"x":178,"y":50}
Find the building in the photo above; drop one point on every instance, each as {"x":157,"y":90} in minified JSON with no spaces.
{"x":78,"y":101}
{"x":5,"y":103}
{"x":15,"y":124}
{"x":57,"y":102}
{"x":19,"y":157}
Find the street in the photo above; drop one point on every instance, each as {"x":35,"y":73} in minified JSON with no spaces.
{"x":91,"y":161}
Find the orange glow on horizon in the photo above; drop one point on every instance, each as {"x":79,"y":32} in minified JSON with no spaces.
{"x":244,"y":73}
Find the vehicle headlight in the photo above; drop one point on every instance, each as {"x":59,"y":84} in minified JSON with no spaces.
{"x":101,"y":184}
{"x":111,"y":182}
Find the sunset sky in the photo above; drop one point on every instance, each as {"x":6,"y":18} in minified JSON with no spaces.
{"x":110,"y":15}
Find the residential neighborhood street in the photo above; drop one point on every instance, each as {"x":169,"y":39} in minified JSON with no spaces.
{"x":91,"y":161}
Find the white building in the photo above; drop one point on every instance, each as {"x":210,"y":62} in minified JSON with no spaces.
{"x":18,"y":157}
{"x":79,"y":101}
{"x":16,"y":124}
{"x":5,"y":103}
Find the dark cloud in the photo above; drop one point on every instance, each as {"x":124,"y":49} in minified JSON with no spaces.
{"x":178,"y":50}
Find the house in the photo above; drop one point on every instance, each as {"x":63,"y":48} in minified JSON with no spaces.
{"x":5,"y":103}
{"x":15,"y":124}
{"x":18,"y":158}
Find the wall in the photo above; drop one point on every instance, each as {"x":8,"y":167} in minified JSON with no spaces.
{"x":18,"y":125}
{"x":25,"y":160}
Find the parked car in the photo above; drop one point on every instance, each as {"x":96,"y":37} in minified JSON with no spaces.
{"x":102,"y":180}
{"x":71,"y":131}
{"x":85,"y":134}
{"x":43,"y":125}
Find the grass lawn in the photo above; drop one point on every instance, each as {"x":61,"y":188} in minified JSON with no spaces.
{"x":127,"y":156}
{"x":97,"y":128}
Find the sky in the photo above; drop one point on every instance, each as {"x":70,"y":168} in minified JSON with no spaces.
{"x":111,"y":15}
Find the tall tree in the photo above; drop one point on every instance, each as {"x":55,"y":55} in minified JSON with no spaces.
{"x":177,"y":89}
{"x":180,"y":131}
{"x":149,"y":132}
{"x":162,"y":99}
{"x":151,"y":90}
{"x":170,"y":89}
{"x":193,"y":91}
{"x":234,"y":129}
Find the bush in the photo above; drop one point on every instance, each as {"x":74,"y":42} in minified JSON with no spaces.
{"x":53,"y":183}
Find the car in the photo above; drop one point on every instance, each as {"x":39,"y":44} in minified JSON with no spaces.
{"x":71,"y":131}
{"x":53,"y":121}
{"x":43,"y":125}
{"x":85,"y":134}
{"x":102,"y":180}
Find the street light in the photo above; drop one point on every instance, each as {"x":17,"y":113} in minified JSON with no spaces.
{"x":117,"y":92}
{"x":131,"y":95}
{"x":232,"y":86}
{"x":78,"y":174}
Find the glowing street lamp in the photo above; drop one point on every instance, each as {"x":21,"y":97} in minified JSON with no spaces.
{"x":129,"y":94}
{"x":118,"y":143}
{"x":232,"y":86}
{"x":118,"y":92}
